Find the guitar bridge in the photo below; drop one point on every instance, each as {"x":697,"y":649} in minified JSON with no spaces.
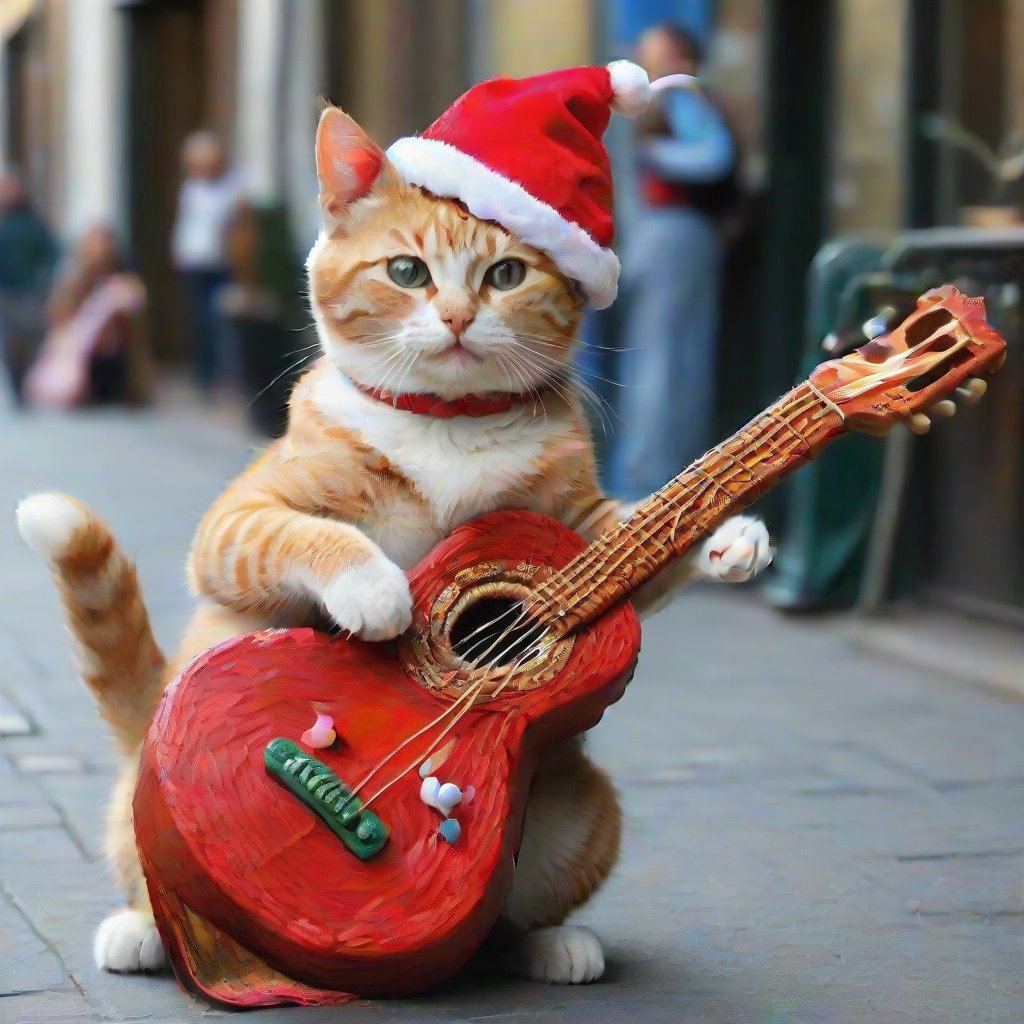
{"x":327,"y":796}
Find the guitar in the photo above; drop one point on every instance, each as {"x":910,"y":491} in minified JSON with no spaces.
{"x":283,"y":873}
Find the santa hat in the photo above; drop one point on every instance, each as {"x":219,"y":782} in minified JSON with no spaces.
{"x":527,"y":153}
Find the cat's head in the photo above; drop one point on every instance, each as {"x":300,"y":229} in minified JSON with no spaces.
{"x":412,"y":293}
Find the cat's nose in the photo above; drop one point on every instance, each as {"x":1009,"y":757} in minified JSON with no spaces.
{"x":459,"y":321}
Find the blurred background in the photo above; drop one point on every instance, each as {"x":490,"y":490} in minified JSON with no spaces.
{"x":873,"y":143}
{"x":822,"y":814}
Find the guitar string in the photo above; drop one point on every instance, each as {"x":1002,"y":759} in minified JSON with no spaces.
{"x":451,"y":725}
{"x":467,"y":698}
{"x":688,"y":495}
{"x":468,"y":695}
{"x":536,"y":636}
{"x":533,"y":637}
{"x":561,"y":580}
{"x":661,"y":493}
{"x":782,"y":417}
{"x":656,"y":525}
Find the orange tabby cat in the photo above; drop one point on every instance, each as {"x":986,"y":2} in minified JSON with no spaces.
{"x":412,"y":296}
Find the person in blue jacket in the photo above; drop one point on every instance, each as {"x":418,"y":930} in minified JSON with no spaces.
{"x":687,"y":180}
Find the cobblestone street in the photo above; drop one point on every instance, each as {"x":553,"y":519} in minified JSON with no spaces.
{"x":815,"y":833}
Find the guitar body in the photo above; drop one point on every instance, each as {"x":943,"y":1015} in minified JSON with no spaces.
{"x":257,"y":899}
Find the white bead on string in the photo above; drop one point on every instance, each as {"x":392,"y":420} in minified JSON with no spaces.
{"x":444,"y":797}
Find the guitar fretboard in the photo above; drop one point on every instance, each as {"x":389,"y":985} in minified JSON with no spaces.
{"x":728,"y":478}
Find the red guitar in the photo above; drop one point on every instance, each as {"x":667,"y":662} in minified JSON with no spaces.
{"x":282,"y":873}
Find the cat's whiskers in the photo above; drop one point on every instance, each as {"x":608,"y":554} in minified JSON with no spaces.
{"x":573,"y":378}
{"x":562,"y":379}
{"x":306,"y":357}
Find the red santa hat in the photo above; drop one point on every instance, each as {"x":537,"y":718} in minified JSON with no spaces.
{"x":527,"y":153}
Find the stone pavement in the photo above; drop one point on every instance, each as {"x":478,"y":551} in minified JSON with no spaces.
{"x":814,"y":833}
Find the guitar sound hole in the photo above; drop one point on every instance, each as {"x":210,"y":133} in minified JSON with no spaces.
{"x":493,"y":631}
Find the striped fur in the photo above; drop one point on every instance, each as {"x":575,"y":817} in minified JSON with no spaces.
{"x":320,"y":528}
{"x":114,"y":649}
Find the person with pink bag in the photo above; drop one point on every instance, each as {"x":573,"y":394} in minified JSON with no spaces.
{"x":90,"y":353}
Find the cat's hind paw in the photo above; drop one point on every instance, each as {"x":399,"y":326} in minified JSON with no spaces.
{"x":371,"y":600}
{"x":737,"y":551}
{"x":562,"y":955}
{"x":127,"y":942}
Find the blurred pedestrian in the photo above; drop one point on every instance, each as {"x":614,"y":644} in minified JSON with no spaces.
{"x":687,"y":177}
{"x":28,"y":254}
{"x":95,"y":349}
{"x":209,"y":199}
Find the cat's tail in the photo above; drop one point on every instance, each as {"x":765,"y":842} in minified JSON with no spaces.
{"x":103,"y":608}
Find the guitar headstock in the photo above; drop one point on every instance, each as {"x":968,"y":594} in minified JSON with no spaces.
{"x":914,"y":371}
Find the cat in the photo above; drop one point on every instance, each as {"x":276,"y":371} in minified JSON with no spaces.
{"x":412,"y":295}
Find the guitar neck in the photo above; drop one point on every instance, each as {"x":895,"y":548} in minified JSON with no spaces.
{"x":728,"y":478}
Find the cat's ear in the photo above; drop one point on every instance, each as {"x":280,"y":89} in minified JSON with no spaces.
{"x":348,"y":163}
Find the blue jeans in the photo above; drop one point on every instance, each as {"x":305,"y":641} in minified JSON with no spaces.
{"x":208,"y":356}
{"x":668,"y":350}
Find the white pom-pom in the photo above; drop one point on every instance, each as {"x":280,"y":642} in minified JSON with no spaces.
{"x":631,"y":86}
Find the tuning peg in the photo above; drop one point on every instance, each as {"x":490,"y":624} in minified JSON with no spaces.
{"x":944,"y":408}
{"x":972,"y":389}
{"x":919,"y":423}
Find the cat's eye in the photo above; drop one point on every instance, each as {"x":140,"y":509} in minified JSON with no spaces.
{"x":506,"y":275}
{"x":408,"y":271}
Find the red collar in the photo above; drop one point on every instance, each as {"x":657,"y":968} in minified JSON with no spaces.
{"x":431,"y":405}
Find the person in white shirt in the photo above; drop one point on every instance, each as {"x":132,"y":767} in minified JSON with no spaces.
{"x":210,"y":196}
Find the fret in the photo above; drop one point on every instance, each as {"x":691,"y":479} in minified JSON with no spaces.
{"x":662,"y":529}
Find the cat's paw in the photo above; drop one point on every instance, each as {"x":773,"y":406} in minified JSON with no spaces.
{"x":371,"y":600}
{"x":738,"y":550}
{"x":127,"y":942}
{"x":563,"y":955}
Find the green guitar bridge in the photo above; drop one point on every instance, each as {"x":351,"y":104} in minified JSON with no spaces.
{"x":332,"y":801}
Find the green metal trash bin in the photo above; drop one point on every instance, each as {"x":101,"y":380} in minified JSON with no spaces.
{"x":829,"y":504}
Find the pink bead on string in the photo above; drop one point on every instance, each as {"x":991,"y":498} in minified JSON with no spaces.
{"x":321,"y":734}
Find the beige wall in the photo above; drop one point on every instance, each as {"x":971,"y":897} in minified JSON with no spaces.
{"x":868,"y":118}
{"x":735,"y":69}
{"x":256,"y":137}
{"x":531,"y":36}
{"x":91,"y":188}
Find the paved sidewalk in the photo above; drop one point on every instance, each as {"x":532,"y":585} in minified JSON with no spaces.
{"x":814,"y":833}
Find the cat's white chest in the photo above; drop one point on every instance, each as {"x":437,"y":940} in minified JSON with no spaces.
{"x":461,"y":467}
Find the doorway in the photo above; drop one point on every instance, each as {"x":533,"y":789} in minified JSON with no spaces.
{"x":180,"y":62}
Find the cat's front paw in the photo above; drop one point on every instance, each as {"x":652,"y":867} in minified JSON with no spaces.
{"x":737,"y":551}
{"x":127,"y":942}
{"x":562,"y":955}
{"x":371,"y":600}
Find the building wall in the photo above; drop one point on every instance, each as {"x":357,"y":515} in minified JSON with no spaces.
{"x":13,"y":14}
{"x":89,"y":155}
{"x":527,"y":37}
{"x":868,"y":116}
{"x":306,"y":83}
{"x":256,"y":140}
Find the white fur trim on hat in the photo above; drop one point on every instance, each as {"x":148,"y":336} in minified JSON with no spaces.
{"x":448,"y":172}
{"x":631,"y":86}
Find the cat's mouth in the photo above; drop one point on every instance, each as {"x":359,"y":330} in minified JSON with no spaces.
{"x":456,"y":352}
